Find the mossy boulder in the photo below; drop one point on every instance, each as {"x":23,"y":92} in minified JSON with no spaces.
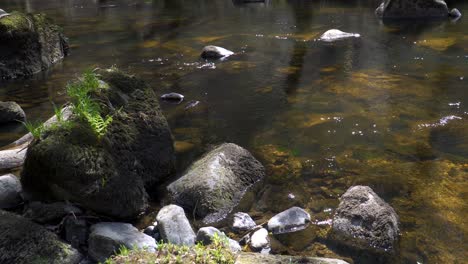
{"x":108,"y":174}
{"x":29,"y":44}
{"x":22,"y":241}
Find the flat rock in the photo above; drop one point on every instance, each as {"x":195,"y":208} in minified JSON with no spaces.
{"x":292,"y":220}
{"x":242,"y":222}
{"x":214,"y":185}
{"x":215,"y":52}
{"x":412,"y":9}
{"x":364,"y":221}
{"x":10,"y":191}
{"x":335,"y":34}
{"x":11,"y":112}
{"x":256,"y":258}
{"x":174,"y":227}
{"x":107,"y":237}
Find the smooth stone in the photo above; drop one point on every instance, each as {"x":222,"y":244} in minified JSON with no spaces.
{"x":11,"y":112}
{"x":173,"y":97}
{"x":335,"y":34}
{"x":44,"y":213}
{"x":412,"y":9}
{"x":455,"y":13}
{"x":292,"y":220}
{"x":23,"y":241}
{"x":213,"y":185}
{"x":76,"y":231}
{"x":10,"y":191}
{"x":107,"y":237}
{"x":215,"y":52}
{"x":242,"y":222}
{"x":364,"y":221}
{"x":205,"y":235}
{"x":257,"y":258}
{"x":259,"y":240}
{"x":174,"y":227}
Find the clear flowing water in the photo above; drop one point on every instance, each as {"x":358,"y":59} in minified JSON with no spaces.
{"x":321,"y":117}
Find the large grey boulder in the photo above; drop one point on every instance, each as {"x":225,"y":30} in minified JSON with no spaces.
{"x":214,"y":185}
{"x":364,"y":221}
{"x":108,"y":174}
{"x":292,"y":220}
{"x":206,"y":235}
{"x":256,"y":258}
{"x":174,"y":227}
{"x":10,"y":191}
{"x":29,"y":44}
{"x":22,"y":241}
{"x":11,"y":112}
{"x":412,"y":9}
{"x":335,"y":34}
{"x":242,"y":222}
{"x":107,"y":237}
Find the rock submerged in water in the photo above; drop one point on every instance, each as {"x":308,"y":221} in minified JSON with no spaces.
{"x":256,"y":258}
{"x":364,"y":221}
{"x":242,"y":222}
{"x":214,"y":185}
{"x":177,"y":97}
{"x":412,"y":9}
{"x":451,"y":137}
{"x":10,"y":191}
{"x":22,"y":241}
{"x":174,"y":226}
{"x":34,"y":44}
{"x":335,"y":34}
{"x":11,"y":112}
{"x":108,"y":175}
{"x":215,"y":52}
{"x":292,"y":220}
{"x":106,"y":238}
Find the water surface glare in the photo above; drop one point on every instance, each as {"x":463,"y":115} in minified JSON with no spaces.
{"x":321,"y":116}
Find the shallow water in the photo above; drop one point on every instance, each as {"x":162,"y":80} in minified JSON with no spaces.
{"x":322,"y":117}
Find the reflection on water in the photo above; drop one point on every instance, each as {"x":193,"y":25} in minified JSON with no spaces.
{"x":321,"y":116}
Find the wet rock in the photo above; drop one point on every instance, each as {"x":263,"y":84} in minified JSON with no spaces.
{"x":107,"y":237}
{"x":214,"y":184}
{"x":214,"y":52}
{"x":412,"y":9}
{"x":256,"y":258}
{"x":192,"y":104}
{"x":3,"y":13}
{"x":292,"y":220}
{"x":44,"y":213}
{"x":450,"y":137}
{"x":11,"y":112}
{"x":33,"y":43}
{"x":364,"y":221}
{"x":22,"y":241}
{"x":205,"y":235}
{"x":335,"y":34}
{"x":259,"y":240}
{"x":76,"y":231}
{"x":10,"y":191}
{"x":174,"y":226}
{"x":112,"y":173}
{"x":455,"y":13}
{"x":242,"y":222}
{"x":176,"y":97}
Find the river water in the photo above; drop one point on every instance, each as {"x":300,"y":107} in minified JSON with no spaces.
{"x":321,"y":117}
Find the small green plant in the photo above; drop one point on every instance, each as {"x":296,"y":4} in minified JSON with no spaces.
{"x":35,"y":128}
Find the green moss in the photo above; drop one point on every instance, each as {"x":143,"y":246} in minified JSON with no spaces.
{"x":16,"y":21}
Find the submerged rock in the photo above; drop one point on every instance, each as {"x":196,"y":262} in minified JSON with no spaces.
{"x":22,"y":241}
{"x":242,"y":222}
{"x":214,"y":185}
{"x":205,"y":235}
{"x":292,"y":220}
{"x":451,"y":137}
{"x":10,"y":191}
{"x":364,"y":221}
{"x":256,"y":258}
{"x":174,"y":226}
{"x":412,"y":9}
{"x":215,"y":52}
{"x":29,"y":44}
{"x":335,"y":34}
{"x":11,"y":112}
{"x":107,"y":174}
{"x":106,"y":238}
{"x":173,"y":97}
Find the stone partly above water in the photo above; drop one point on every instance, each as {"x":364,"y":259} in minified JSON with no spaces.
{"x":10,"y":191}
{"x":214,"y":185}
{"x":22,"y":241}
{"x":29,"y":44}
{"x":174,"y":226}
{"x":364,"y":221}
{"x":292,"y":220}
{"x":412,"y":9}
{"x":11,"y":112}
{"x":106,"y":238}
{"x":242,"y":222}
{"x":109,"y":175}
{"x":259,"y":240}
{"x":256,"y":258}
{"x":215,"y":52}
{"x":335,"y":34}
{"x":3,"y":13}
